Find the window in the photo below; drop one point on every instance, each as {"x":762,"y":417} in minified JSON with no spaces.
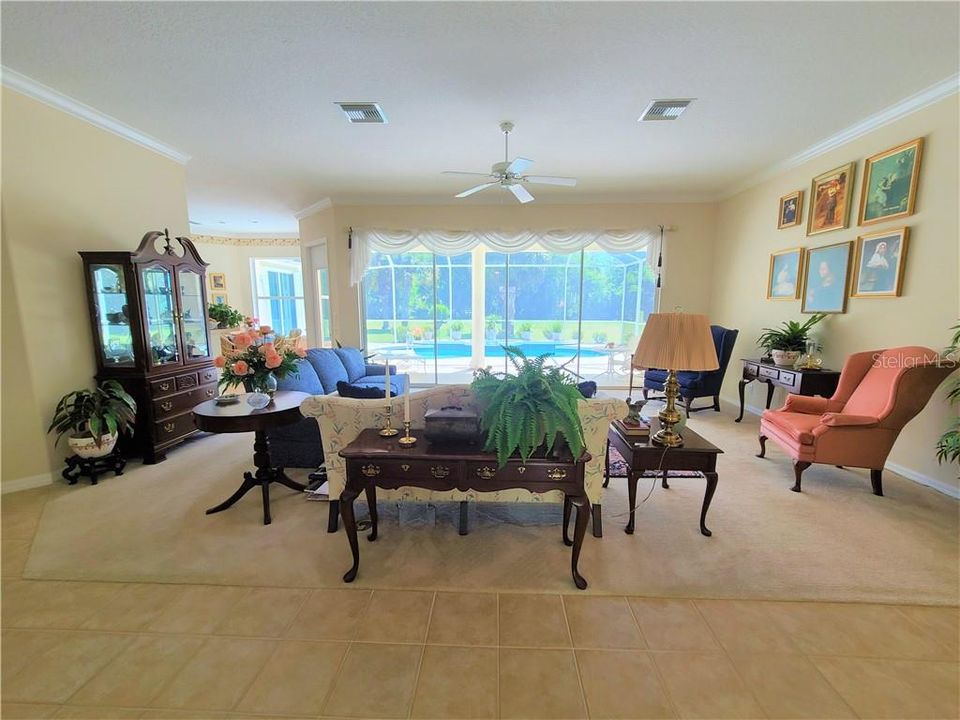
{"x":323,"y":294}
{"x":585,"y":308}
{"x":278,"y":293}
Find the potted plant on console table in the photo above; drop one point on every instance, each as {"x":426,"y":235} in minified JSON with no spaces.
{"x":94,"y":418}
{"x":786,"y":342}
{"x":529,"y":412}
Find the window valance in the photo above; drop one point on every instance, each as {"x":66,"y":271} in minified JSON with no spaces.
{"x":366,"y":241}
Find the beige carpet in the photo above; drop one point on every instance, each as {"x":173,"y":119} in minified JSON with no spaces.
{"x":835,"y":541}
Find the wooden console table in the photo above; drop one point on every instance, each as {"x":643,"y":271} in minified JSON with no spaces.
{"x":373,"y":461}
{"x":799,"y":382}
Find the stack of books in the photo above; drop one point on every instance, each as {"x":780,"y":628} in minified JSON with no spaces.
{"x":634,"y":429}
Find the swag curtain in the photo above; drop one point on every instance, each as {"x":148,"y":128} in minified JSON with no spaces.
{"x":366,"y":241}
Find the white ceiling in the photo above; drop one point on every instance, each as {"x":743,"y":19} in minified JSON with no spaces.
{"x":247,"y":89}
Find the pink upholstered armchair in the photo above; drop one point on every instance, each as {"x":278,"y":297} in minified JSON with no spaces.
{"x":879,"y":392}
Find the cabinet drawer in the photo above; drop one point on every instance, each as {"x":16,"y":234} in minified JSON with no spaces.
{"x":174,"y":404}
{"x":209,"y":375}
{"x":788,"y":378}
{"x":395,"y":473}
{"x":173,"y":428}
{"x":751,"y":369}
{"x":166,"y":386}
{"x":186,"y":381}
{"x":769,"y":372}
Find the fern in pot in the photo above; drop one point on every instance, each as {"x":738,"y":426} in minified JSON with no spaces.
{"x":531,"y":411}
{"x":785,"y":343}
{"x":94,"y":418}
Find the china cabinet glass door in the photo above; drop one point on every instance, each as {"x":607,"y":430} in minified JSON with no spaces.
{"x":193,"y":316}
{"x":112,"y":310}
{"x":160,"y":311}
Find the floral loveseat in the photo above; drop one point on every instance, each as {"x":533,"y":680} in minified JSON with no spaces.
{"x":342,"y":419}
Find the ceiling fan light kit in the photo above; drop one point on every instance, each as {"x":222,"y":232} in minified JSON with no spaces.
{"x":509,"y":174}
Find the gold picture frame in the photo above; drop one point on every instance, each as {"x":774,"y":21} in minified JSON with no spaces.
{"x":783,"y":265}
{"x":879,"y":263}
{"x":791,"y":210}
{"x":827,"y":295}
{"x":889,"y":189}
{"x":218,"y":298}
{"x":218,"y":281}
{"x":829,"y":204}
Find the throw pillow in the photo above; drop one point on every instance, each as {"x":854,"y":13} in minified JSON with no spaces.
{"x":352,"y":360}
{"x":362,"y":392}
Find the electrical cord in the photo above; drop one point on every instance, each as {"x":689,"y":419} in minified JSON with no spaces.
{"x":653,"y":485}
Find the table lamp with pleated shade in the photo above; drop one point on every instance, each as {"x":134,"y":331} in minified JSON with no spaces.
{"x":674,"y":341}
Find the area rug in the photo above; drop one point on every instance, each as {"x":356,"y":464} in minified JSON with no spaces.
{"x":834,"y":541}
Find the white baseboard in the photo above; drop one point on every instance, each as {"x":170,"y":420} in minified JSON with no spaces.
{"x":919,"y":478}
{"x":27,"y":483}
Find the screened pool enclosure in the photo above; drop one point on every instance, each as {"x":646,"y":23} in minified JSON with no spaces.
{"x":439,"y":316}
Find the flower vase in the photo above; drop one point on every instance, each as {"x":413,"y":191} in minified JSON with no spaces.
{"x":260,"y":390}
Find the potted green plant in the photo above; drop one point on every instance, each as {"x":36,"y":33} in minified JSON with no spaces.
{"x":531,"y":410}
{"x":456,"y":330}
{"x":225,"y":316}
{"x":94,"y":418}
{"x":785,"y":343}
{"x":553,"y":331}
{"x":492,"y":327}
{"x":948,"y":446}
{"x":526,"y":331}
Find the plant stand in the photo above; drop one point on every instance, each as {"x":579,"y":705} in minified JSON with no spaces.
{"x":93,"y":467}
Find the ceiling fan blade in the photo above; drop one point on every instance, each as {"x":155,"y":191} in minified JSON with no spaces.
{"x":519,"y":165}
{"x":457,"y":172}
{"x":476,"y":189}
{"x":550,"y":180}
{"x":520,"y":193}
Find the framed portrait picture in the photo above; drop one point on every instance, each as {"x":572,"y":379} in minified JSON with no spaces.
{"x":218,"y":298}
{"x":783,"y":279}
{"x":890,"y":183}
{"x":830,"y":200}
{"x":791,"y":210}
{"x":826,"y":274}
{"x":218,"y":281}
{"x":879,"y":263}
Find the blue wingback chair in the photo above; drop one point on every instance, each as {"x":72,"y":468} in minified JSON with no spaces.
{"x":698,"y":384}
{"x":298,"y":444}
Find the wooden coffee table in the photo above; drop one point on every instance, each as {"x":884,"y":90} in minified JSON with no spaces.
{"x":696,"y":454}
{"x":373,"y":461}
{"x":239,"y":418}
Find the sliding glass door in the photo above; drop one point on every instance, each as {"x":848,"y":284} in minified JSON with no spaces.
{"x":439,"y":317}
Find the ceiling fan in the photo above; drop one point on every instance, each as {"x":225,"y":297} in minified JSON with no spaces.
{"x":509,"y":174}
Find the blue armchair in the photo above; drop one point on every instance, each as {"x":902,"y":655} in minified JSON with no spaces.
{"x":695,"y":385}
{"x":298,"y":444}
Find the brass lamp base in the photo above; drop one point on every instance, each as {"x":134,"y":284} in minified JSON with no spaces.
{"x":669,"y":416}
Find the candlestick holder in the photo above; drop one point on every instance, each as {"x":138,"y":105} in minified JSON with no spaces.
{"x":408,"y":440}
{"x":388,"y":430}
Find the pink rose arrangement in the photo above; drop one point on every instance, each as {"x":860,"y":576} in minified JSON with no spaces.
{"x":255,"y":359}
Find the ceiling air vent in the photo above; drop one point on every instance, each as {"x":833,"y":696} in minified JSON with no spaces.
{"x":363,"y":112}
{"x":665,"y":109}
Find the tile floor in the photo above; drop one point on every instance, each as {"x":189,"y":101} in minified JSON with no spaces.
{"x":115,"y":650}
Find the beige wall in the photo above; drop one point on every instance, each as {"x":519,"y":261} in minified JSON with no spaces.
{"x":232,"y":256}
{"x":688,"y":248}
{"x":747,"y":233}
{"x":67,"y":186}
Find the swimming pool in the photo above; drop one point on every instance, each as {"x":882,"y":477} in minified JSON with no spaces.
{"x":463,"y":350}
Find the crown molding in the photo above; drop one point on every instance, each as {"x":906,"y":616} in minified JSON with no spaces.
{"x":321,"y":204}
{"x":48,"y":96}
{"x":247,"y":240}
{"x":933,"y":94}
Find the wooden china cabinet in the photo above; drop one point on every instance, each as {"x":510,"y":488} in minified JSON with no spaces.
{"x":148,"y":309}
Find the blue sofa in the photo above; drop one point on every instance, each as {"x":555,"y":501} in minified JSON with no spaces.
{"x":695,"y":385}
{"x":298,"y":444}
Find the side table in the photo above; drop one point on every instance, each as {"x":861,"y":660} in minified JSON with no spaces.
{"x":283,"y":410}
{"x":641,"y":455}
{"x":799,"y":382}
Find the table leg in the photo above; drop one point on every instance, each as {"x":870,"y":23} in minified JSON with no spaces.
{"x":606,"y":465}
{"x":372,"y":506}
{"x":770,"y":388}
{"x":743,"y":383}
{"x":632,"y":499}
{"x":663,"y":481}
{"x":265,"y":491}
{"x":707,"y":498}
{"x":248,"y":484}
{"x":284,"y":479}
{"x":349,"y":494}
{"x":582,"y":504}
{"x":567,"y":505}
